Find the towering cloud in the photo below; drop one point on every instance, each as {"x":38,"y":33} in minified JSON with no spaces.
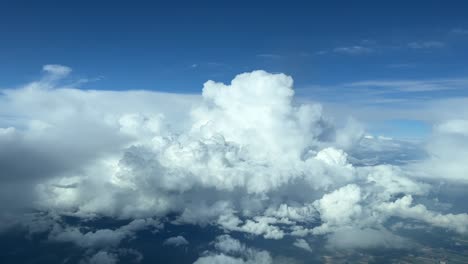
{"x":243,"y":158}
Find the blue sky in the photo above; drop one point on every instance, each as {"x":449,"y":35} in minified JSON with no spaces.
{"x":360,"y":52}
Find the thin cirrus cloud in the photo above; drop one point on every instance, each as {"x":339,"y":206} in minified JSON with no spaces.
{"x":347,"y":50}
{"x":459,"y":31}
{"x":353,"y":50}
{"x":242,"y":157}
{"x":269,"y":56}
{"x":426,"y":45}
{"x":413,"y":86}
{"x":415,"y":92}
{"x":370,"y":47}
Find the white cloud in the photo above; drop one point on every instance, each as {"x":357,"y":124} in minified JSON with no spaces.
{"x":232,"y":251}
{"x":392,"y":180}
{"x":333,"y":156}
{"x":243,"y":157}
{"x":261,"y":226}
{"x":402,"y":208}
{"x":176,"y":241}
{"x":353,"y":50}
{"x":301,"y":243}
{"x":219,"y":259}
{"x":228,"y":245}
{"x":339,"y":207}
{"x":57,"y":70}
{"x":448,"y":152}
{"x":457,"y":126}
{"x":303,"y":213}
{"x":411,"y":85}
{"x":48,"y":133}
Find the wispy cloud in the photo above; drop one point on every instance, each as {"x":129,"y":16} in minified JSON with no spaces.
{"x":368,"y":46}
{"x":413,"y":86}
{"x":362,"y":47}
{"x":388,"y":92}
{"x":353,"y":50}
{"x":426,"y":44}
{"x":459,"y":31}
{"x":56,"y":71}
{"x":269,"y":56}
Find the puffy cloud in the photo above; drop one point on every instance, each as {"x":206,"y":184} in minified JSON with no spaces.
{"x":339,"y":207}
{"x":448,"y":152}
{"x":227,"y":244}
{"x":261,"y":226}
{"x":176,"y":241}
{"x":50,"y":132}
{"x":278,"y":144}
{"x":402,"y":208}
{"x":244,"y":157}
{"x":232,"y":251}
{"x":392,"y":180}
{"x":256,"y":112}
{"x":293,"y":213}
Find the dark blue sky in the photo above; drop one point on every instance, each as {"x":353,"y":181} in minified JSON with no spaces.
{"x":179,"y":45}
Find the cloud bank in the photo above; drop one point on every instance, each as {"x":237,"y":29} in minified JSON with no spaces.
{"x":243,"y":157}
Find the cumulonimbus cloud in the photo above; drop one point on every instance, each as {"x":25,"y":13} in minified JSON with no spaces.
{"x":242,"y":157}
